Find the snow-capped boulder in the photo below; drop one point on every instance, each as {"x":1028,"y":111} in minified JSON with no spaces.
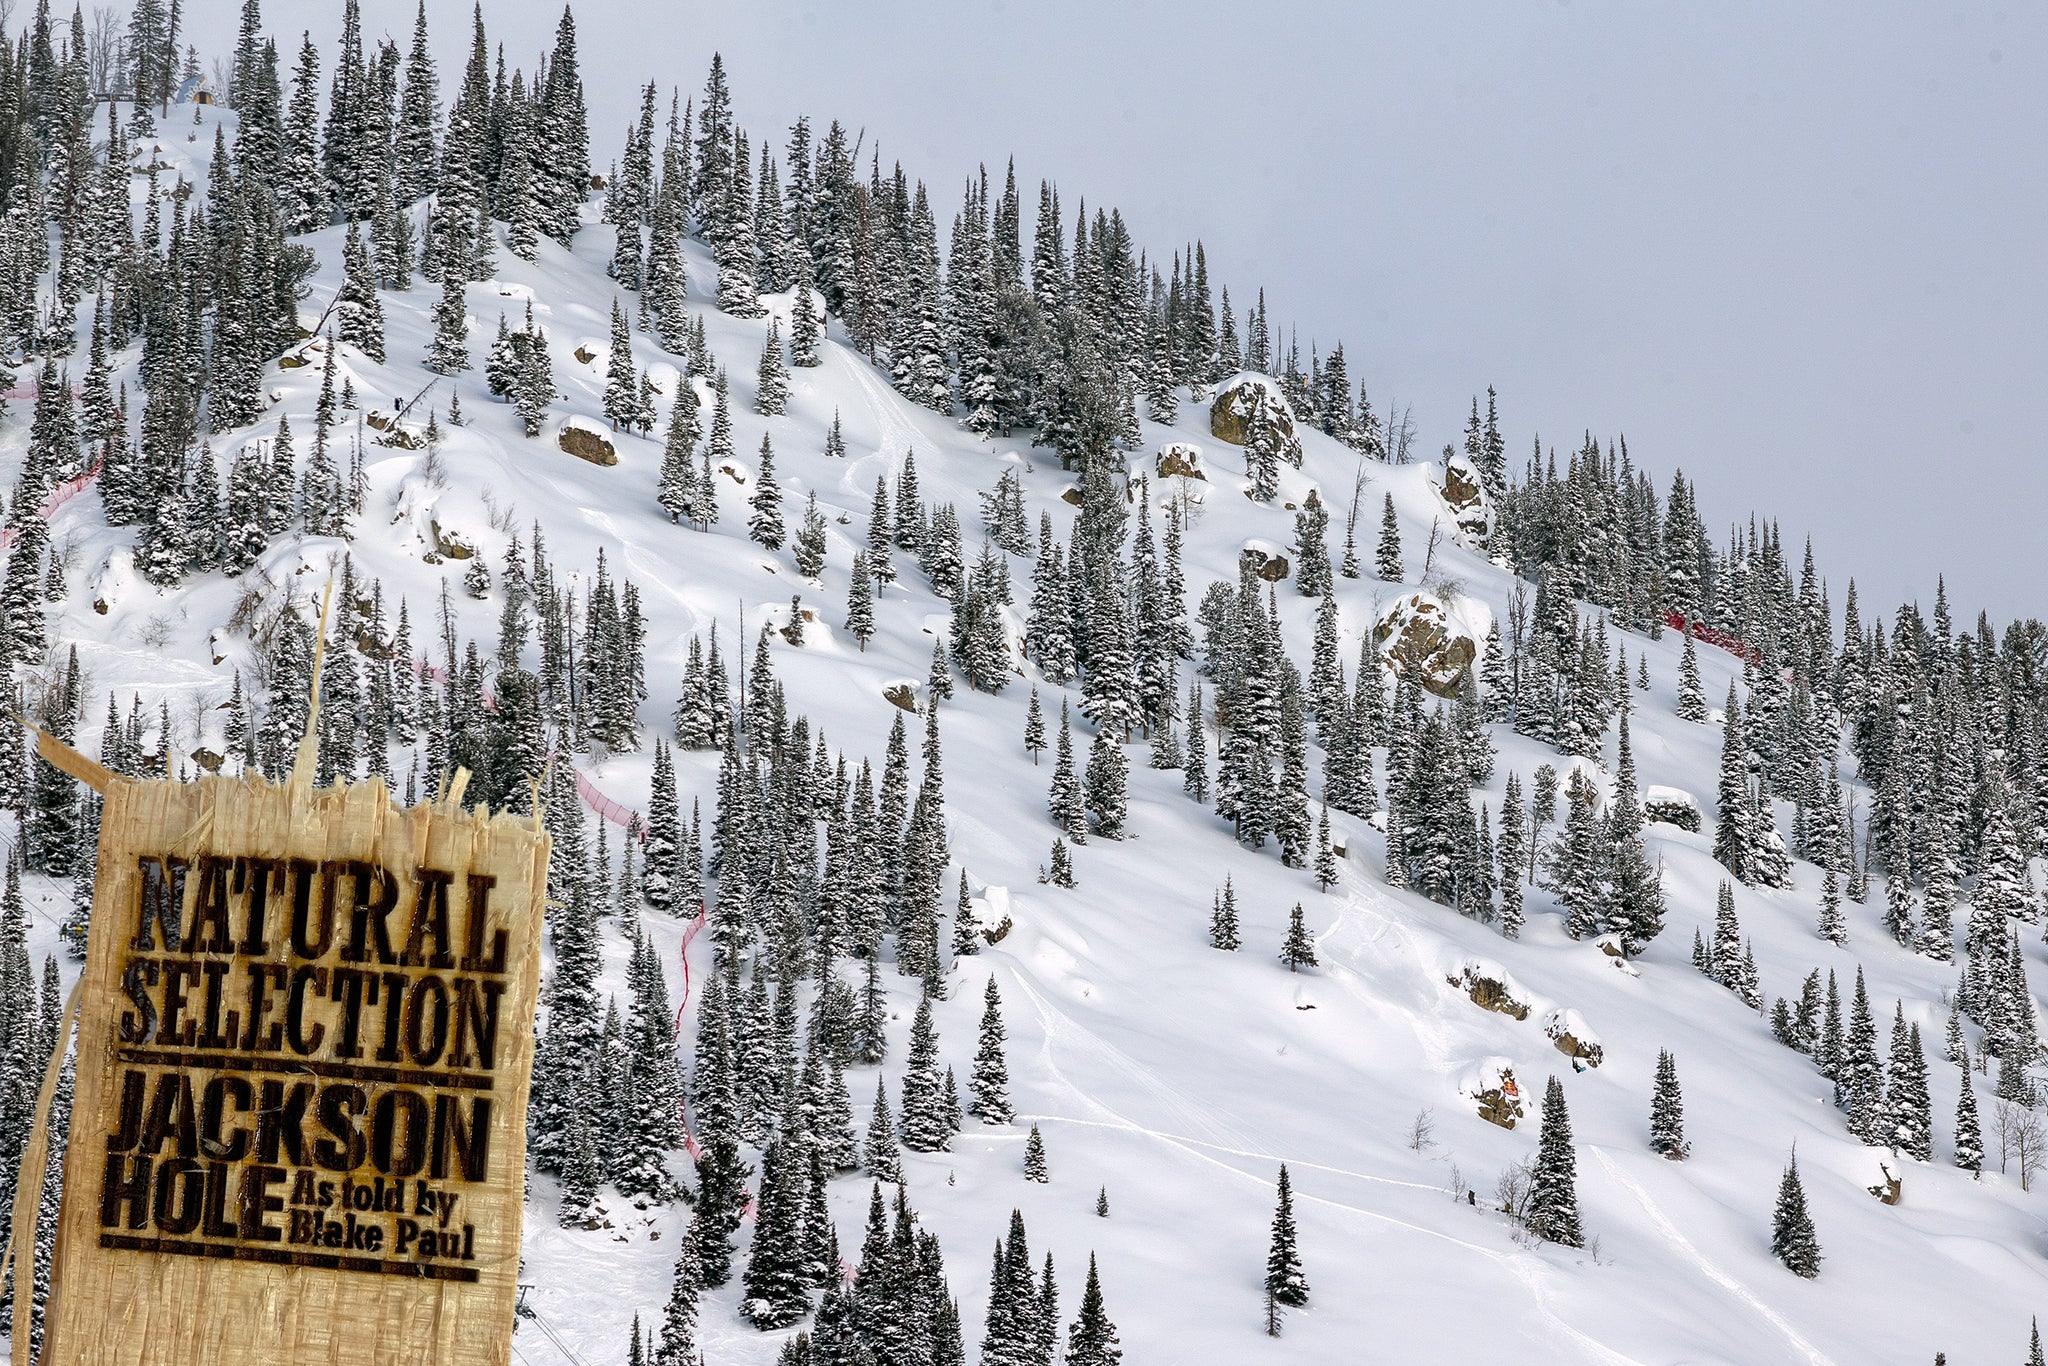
{"x":1180,"y":460}
{"x":1251,"y":411}
{"x":448,"y":543}
{"x":581,"y":438}
{"x":1672,"y":806}
{"x":1490,"y":989}
{"x":1421,"y":643}
{"x":1265,"y":558}
{"x":1464,"y":493}
{"x":1493,"y":1085}
{"x":1575,"y":1039}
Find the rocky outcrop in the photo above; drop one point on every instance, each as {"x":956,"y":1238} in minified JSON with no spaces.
{"x":1180,"y":460}
{"x":1500,"y":1103}
{"x":1264,"y":559}
{"x":448,"y":543}
{"x":1422,"y":645}
{"x":1573,"y":1039}
{"x":585,"y":444}
{"x":1672,"y":806}
{"x":1252,"y":412}
{"x":1489,"y":993}
{"x":1464,"y":493}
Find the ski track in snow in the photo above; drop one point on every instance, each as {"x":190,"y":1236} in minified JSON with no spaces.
{"x":1707,"y":1268}
{"x":896,"y":436}
{"x":1059,"y":1027}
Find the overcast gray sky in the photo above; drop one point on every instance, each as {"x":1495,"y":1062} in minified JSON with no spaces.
{"x":1794,"y":250}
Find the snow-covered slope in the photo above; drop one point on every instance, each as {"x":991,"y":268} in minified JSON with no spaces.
{"x":1174,"y":1077}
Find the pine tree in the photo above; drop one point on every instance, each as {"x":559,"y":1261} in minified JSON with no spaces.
{"x":771,"y":393}
{"x":622,"y":380}
{"x":806,"y":331}
{"x":860,"y":602}
{"x":1034,"y":1158}
{"x":1793,"y":1239}
{"x":1387,"y":562}
{"x":678,"y":1343}
{"x":1223,"y":919}
{"x":808,"y":547}
{"x":1908,"y":1113}
{"x":1862,"y":1070}
{"x":1285,"y":1283}
{"x":1065,"y":799}
{"x":1106,"y":785}
{"x":1833,"y":926}
{"x":989,"y":1085}
{"x":1326,"y":855}
{"x":448,"y":352}
{"x":1298,"y":951}
{"x":1511,"y":851}
{"x":1092,"y":1338}
{"x":360,"y":316}
{"x":765,"y":525}
{"x":777,"y":1283}
{"x":1060,"y":870}
{"x":925,"y":1125}
{"x":1734,"y":839}
{"x":1553,"y":1204}
{"x":1034,"y":729}
{"x":1969,"y":1145}
{"x":1692,"y":697}
{"x":879,"y":1154}
{"x":1667,"y":1112}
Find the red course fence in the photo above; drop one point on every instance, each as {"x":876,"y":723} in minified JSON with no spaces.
{"x":59,"y":496}
{"x":690,"y":933}
{"x":1723,"y":640}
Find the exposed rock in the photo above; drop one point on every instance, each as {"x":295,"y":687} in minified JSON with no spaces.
{"x":1180,"y":460}
{"x":1489,"y":993}
{"x":208,"y":760}
{"x":585,"y":444}
{"x":996,"y":933}
{"x":1672,"y":806}
{"x":1501,"y":1104}
{"x":903,"y":695}
{"x":585,"y":355}
{"x":1072,"y":494}
{"x":1265,"y":560}
{"x":1465,"y":494}
{"x":1252,"y":412}
{"x":1575,"y":1048}
{"x":1423,"y":645}
{"x":448,"y":544}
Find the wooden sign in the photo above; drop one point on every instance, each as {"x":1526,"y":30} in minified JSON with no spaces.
{"x":305,"y":1042}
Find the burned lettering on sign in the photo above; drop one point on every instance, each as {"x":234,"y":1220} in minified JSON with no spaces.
{"x":288,"y":1022}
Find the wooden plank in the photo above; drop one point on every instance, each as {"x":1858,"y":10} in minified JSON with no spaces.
{"x":305,"y":1045}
